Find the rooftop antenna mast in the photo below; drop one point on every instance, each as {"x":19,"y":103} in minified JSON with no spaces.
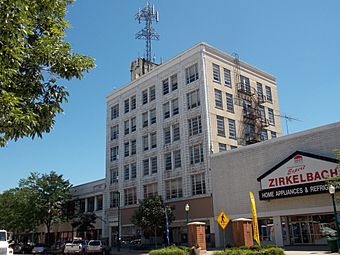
{"x":287,"y":118}
{"x":148,"y":33}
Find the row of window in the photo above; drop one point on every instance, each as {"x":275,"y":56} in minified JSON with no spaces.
{"x":221,"y":127}
{"x":245,"y":83}
{"x":172,"y":161}
{"x":173,"y":190}
{"x":148,"y":95}
{"x":90,"y":204}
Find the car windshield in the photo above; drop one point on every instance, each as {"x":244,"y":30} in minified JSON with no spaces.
{"x":2,"y":236}
{"x":95,"y":243}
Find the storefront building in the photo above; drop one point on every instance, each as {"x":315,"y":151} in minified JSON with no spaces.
{"x":287,"y":177}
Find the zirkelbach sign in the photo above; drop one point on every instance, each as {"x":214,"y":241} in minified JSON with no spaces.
{"x":300,"y":174}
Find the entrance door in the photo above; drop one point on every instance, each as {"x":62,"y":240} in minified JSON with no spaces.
{"x":300,"y":232}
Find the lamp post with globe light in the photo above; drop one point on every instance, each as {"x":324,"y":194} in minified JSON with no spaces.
{"x":331,"y":190}
{"x":187,"y":208}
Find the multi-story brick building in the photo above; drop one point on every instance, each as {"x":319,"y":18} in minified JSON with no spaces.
{"x":163,"y":126}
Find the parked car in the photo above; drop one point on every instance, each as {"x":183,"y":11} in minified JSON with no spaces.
{"x":58,"y":247}
{"x":76,"y":247}
{"x":20,"y":248}
{"x":40,"y":248}
{"x":97,"y":247}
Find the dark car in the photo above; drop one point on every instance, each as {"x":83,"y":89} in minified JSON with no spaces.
{"x":58,"y":247}
{"x":40,"y":248}
{"x":21,"y":248}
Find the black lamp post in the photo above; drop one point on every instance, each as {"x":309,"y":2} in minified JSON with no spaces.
{"x":118,"y":216}
{"x":331,"y":190}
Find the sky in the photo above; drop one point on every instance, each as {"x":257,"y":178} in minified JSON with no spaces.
{"x":296,"y":41}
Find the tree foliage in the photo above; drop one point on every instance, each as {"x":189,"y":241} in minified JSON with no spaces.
{"x":150,"y":215}
{"x":39,"y":199}
{"x":84,"y":221}
{"x":335,"y":180}
{"x":33,"y":58}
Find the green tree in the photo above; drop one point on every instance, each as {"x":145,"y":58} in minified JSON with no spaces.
{"x":84,"y":222}
{"x":48,"y":194}
{"x":150,"y":216}
{"x":33,"y":58}
{"x":335,"y":180}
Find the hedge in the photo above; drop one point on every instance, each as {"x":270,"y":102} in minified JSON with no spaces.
{"x":171,"y":250}
{"x":252,"y":251}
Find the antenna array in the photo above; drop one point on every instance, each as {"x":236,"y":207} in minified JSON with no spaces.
{"x":148,"y":33}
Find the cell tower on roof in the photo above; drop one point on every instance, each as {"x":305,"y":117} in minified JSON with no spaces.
{"x":148,"y":33}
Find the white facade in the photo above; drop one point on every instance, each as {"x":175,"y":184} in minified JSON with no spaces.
{"x":163,"y":127}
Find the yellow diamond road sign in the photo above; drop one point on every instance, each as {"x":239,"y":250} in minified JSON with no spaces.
{"x":223,"y":220}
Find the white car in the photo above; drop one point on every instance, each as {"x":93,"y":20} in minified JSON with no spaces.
{"x":4,"y":246}
{"x":97,"y":247}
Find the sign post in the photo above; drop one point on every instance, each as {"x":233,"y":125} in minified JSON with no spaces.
{"x":223,"y":221}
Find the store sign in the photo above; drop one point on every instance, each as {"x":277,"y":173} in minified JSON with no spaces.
{"x":299,"y":174}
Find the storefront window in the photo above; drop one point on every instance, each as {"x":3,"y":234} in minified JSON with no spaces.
{"x":266,"y":228}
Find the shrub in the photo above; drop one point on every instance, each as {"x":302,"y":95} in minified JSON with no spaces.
{"x":171,"y":250}
{"x":252,"y":251}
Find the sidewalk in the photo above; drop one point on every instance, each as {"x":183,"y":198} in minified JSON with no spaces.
{"x":313,"y":250}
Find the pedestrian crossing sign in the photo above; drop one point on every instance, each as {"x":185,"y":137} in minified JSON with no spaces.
{"x":223,"y":220}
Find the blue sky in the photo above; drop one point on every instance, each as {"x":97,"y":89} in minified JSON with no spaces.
{"x":296,"y":41}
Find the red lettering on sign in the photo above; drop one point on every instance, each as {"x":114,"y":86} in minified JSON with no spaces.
{"x":295,"y":179}
{"x":309,"y":177}
{"x":271,"y":183}
{"x":324,"y":174}
{"x":302,"y":179}
{"x":289,"y":180}
{"x":334,"y":172}
{"x":281,"y":181}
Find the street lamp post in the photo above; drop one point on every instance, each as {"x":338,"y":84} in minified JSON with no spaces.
{"x":331,"y":190}
{"x":118,"y":217}
{"x":187,"y":208}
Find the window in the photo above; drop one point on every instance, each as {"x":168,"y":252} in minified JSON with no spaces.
{"x":152,"y":116}
{"x":126,"y":105}
{"x":259,"y":90}
{"x":145,"y":119}
{"x":196,"y":154}
{"x":165,"y":86}
{"x":216,"y":73}
{"x":145,"y":96}
{"x":222,"y":147}
{"x":245,"y":84}
{"x":126,"y":127}
{"x":173,"y":188}
{"x":177,"y":159}
{"x":113,"y":175}
{"x":269,"y":94}
{"x":230,"y":102}
{"x":152,"y":92}
{"x":193,"y":99}
{"x":220,"y":126}
{"x":227,"y":77}
{"x":133,"y":167}
{"x":173,"y":81}
{"x":133,"y":124}
{"x":232,"y":128}
{"x":126,"y":149}
{"x":198,"y":184}
{"x":167,"y":161}
{"x":114,"y":199}
{"x":218,"y":99}
{"x":99,"y":205}
{"x":153,"y":165}
{"x":133,"y":147}
{"x":271,"y":116}
{"x":273,"y":134}
{"x":82,"y":205}
{"x":114,"y":153}
{"x":150,"y":190}
{"x":114,"y":132}
{"x":133,"y":102}
{"x":174,"y":107}
{"x":166,"y":110}
{"x":233,"y":147}
{"x":175,"y":132}
{"x":130,"y":196}
{"x":145,"y":142}
{"x":153,"y":140}
{"x":262,"y":113}
{"x":115,"y":111}
{"x":167,"y":135}
{"x":126,"y":172}
{"x":146,"y":167}
{"x":195,"y":126}
{"x":264,"y":135}
{"x":191,"y":73}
